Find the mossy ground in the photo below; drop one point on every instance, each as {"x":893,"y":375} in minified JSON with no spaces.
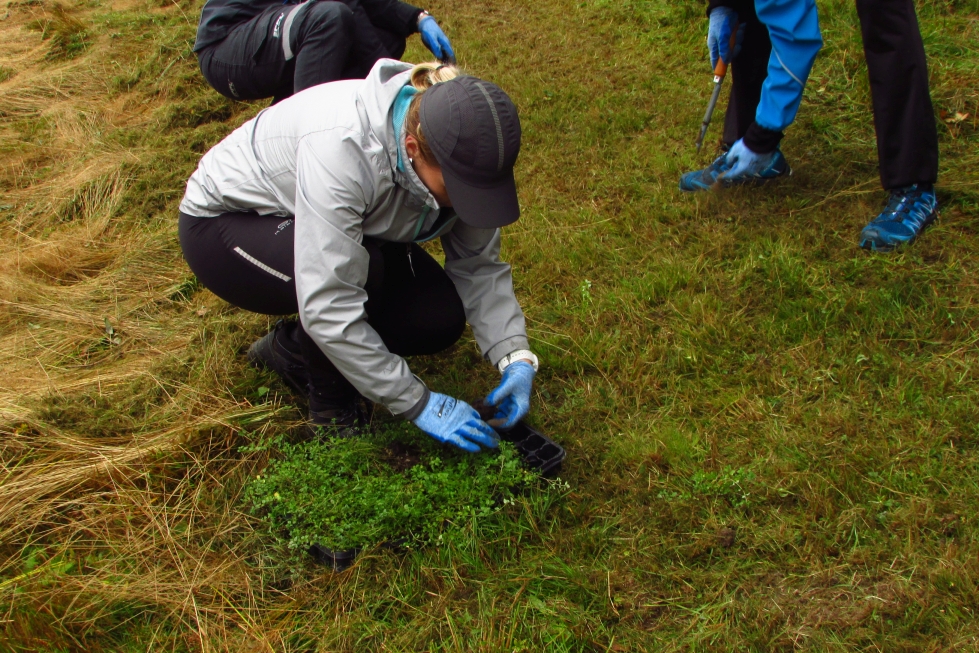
{"x":771,"y":434}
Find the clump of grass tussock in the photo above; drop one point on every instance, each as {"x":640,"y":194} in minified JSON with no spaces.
{"x":67,"y":33}
{"x":72,"y":254}
{"x":111,"y":567}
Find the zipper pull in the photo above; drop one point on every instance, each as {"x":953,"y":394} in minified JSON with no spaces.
{"x":410,"y":264}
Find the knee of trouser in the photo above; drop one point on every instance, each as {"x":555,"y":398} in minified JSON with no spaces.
{"x":375,"y":268}
{"x":330,"y":15}
{"x":448,"y":325}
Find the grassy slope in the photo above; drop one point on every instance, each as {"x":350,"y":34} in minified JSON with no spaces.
{"x":715,"y":365}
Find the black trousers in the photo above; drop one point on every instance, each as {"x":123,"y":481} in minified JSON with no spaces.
{"x":748,"y":73}
{"x":907,"y":138}
{"x":327,"y":41}
{"x":248,"y":260}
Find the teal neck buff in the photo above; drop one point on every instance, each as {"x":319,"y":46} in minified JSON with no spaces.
{"x":401,"y":104}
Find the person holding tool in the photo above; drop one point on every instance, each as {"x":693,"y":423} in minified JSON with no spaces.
{"x":317,"y":206}
{"x":907,"y":139}
{"x":771,"y":46}
{"x":255,"y":49}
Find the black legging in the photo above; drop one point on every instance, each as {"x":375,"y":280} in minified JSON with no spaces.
{"x":748,"y":72}
{"x":248,"y":260}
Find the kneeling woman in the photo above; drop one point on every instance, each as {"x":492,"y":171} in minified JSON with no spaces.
{"x":316,"y":207}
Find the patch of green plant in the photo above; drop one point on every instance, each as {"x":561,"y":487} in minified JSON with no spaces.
{"x":69,"y":36}
{"x":393,"y":486}
{"x":731,"y":485}
{"x":185,"y":289}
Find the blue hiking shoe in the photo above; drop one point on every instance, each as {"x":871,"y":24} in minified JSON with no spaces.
{"x":909,"y":210}
{"x":703,"y":179}
{"x":713,"y":175}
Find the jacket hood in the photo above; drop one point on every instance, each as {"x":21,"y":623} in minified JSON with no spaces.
{"x":380,"y":88}
{"x":377,"y":96}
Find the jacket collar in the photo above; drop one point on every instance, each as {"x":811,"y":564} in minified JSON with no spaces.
{"x":381,"y":88}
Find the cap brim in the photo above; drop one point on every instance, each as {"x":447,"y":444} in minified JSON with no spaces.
{"x":485,"y":207}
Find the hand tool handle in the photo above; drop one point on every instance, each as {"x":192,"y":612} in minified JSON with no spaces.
{"x":719,"y":71}
{"x":721,"y":68}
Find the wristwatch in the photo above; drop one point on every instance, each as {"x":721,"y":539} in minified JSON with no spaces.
{"x":422,"y":15}
{"x":514,"y":356}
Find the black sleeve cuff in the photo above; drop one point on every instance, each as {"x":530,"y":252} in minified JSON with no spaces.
{"x":409,"y":14}
{"x":394,"y":16}
{"x":760,"y":140}
{"x":714,"y":4}
{"x":743,"y":7}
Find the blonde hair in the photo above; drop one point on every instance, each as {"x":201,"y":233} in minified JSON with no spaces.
{"x":423,"y":77}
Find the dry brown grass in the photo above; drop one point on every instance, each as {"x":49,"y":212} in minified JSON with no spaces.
{"x":71,"y":262}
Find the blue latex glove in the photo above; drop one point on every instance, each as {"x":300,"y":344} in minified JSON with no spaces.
{"x":512,"y":396}
{"x":435,"y":40}
{"x":742,"y":162}
{"x":449,"y":420}
{"x":723,"y":20}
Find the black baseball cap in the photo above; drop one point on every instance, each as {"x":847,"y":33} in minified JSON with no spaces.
{"x":474,"y":132}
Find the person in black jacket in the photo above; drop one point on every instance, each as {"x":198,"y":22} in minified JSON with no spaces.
{"x":907,"y":138}
{"x":254,"y":49}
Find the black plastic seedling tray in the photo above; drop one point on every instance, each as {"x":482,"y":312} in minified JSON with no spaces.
{"x":338,"y":560}
{"x":537,"y":450}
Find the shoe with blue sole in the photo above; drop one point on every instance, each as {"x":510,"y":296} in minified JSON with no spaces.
{"x":714,"y":175}
{"x":908,"y":212}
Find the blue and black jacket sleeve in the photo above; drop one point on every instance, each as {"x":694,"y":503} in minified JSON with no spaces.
{"x":793,"y":26}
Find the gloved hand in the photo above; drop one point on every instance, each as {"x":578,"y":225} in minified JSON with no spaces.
{"x":742,"y":162}
{"x":512,"y":396}
{"x":723,"y":20}
{"x":449,"y":420}
{"x":435,"y":40}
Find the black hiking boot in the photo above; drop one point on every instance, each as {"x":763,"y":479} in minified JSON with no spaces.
{"x":336,"y":409}
{"x":348,"y":421}
{"x":279,"y":350}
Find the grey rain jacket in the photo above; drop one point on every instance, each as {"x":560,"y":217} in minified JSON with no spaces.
{"x":328,"y":155}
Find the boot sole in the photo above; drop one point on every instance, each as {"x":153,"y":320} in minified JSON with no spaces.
{"x":720,"y":184}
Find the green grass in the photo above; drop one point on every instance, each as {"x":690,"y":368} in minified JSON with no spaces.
{"x":772,"y":435}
